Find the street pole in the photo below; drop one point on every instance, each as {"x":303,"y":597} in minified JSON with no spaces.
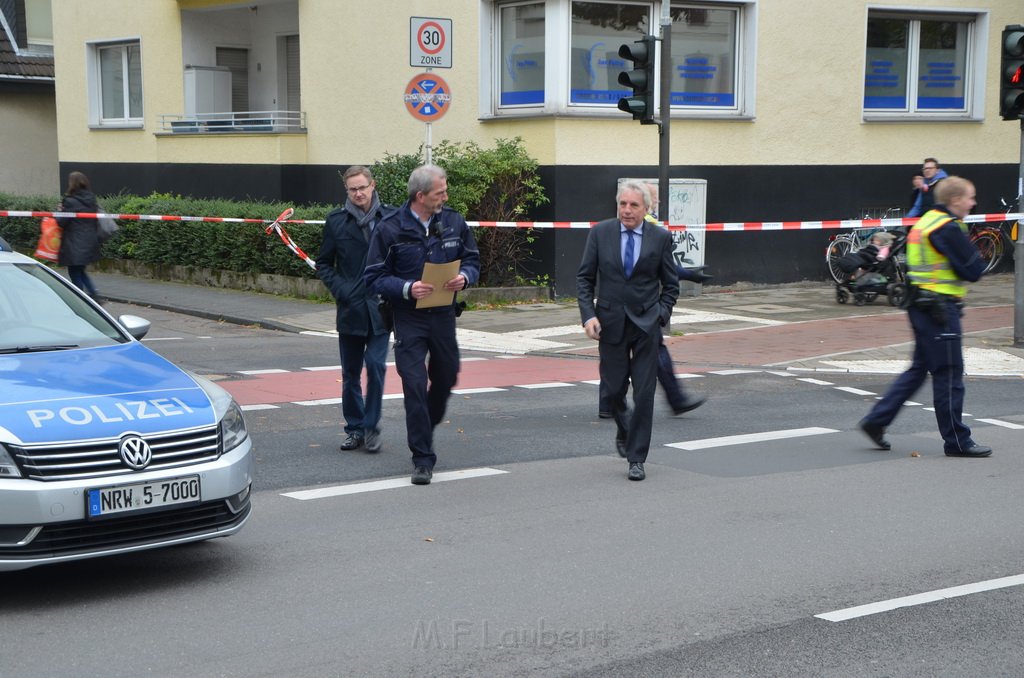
{"x":1018,"y":256}
{"x":666,"y":111}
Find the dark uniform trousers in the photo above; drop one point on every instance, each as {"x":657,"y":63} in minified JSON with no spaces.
{"x":634,"y":359}
{"x":417,"y":334}
{"x":937,"y":350}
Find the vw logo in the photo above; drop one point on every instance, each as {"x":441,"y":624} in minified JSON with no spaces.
{"x":135,"y":452}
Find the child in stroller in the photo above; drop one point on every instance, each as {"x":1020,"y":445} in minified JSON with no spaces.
{"x":874,"y":269}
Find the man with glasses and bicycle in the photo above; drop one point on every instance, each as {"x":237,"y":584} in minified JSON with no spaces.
{"x":362,"y":331}
{"x":940,"y":259}
{"x":924,"y":187}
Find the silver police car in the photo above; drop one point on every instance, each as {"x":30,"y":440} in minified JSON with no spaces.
{"x":105,"y":447}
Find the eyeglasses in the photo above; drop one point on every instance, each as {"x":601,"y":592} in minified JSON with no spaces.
{"x":931,"y":167}
{"x":358,"y":189}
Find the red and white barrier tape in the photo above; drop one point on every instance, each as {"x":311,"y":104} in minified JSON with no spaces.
{"x":843,"y":224}
{"x":276,"y":227}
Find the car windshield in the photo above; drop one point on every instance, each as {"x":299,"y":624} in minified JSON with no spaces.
{"x":39,"y":312}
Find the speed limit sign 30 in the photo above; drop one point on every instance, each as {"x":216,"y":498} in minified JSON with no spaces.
{"x":430,"y":42}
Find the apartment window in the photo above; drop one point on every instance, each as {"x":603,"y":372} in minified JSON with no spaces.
{"x":597,"y":29}
{"x":704,"y":56}
{"x":521,"y":45}
{"x":919,"y":66}
{"x":118,"y":83}
{"x":560,"y":57}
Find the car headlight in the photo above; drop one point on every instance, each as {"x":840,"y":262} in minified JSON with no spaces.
{"x":232,"y":427}
{"x":8,"y":469}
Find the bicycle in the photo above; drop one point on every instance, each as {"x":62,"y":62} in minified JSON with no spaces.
{"x":990,"y":239}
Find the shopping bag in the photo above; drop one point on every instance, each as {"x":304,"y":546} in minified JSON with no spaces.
{"x":106,"y":228}
{"x":49,"y":239}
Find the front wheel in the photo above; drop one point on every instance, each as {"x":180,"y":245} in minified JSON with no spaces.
{"x":990,"y":246}
{"x":837,"y":249}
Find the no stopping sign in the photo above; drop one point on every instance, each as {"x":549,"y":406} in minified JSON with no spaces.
{"x":427,"y":97}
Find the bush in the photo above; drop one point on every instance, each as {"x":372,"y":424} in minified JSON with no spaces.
{"x":496,"y":184}
{"x":484,"y":184}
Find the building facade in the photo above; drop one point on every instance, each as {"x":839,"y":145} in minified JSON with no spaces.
{"x":789,"y":110}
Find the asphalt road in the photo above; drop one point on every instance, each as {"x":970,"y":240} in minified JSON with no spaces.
{"x":717,"y":564}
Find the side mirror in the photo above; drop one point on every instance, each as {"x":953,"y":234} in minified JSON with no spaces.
{"x":136,"y":326}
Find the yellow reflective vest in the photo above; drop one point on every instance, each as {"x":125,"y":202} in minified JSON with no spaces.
{"x":928,"y":268}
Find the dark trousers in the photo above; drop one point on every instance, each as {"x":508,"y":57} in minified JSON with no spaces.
{"x":938,"y":351}
{"x":427,"y":359}
{"x":362,"y":415}
{"x":633,"y":360}
{"x":675,"y":394}
{"x":81,"y":280}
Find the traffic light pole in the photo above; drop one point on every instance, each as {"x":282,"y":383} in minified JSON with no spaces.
{"x":1018,"y":256}
{"x":666,"y":112}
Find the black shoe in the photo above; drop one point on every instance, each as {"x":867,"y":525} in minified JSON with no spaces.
{"x":422,"y":475}
{"x":972,"y":451}
{"x":636,"y":471}
{"x":691,"y":403}
{"x":372,"y":441}
{"x":352,"y":441}
{"x":876,"y":433}
{"x":620,"y":444}
{"x":604,"y":415}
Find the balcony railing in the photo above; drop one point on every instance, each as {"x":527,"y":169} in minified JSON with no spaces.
{"x":238,"y":122}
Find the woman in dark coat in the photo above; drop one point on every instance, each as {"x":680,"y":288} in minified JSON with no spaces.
{"x":80,"y":242}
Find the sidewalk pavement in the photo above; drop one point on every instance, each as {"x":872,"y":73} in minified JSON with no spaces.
{"x":788,"y":327}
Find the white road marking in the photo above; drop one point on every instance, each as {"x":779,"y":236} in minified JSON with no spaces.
{"x":818,"y":382}
{"x":263,"y":406}
{"x":485,"y":389}
{"x":781,"y":374}
{"x":921,"y":598}
{"x":707,"y":443}
{"x":726,"y":373}
{"x":314,"y":333}
{"x":322,"y":368}
{"x":693,"y":317}
{"x":314,"y":403}
{"x":549,"y":384}
{"x":1000,"y":422}
{"x":855,"y":391}
{"x":253,"y":373}
{"x":691,"y":375}
{"x":390,"y":484}
{"x":595,"y":382}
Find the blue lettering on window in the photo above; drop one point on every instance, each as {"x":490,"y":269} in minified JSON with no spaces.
{"x":535,"y":96}
{"x":703,"y":99}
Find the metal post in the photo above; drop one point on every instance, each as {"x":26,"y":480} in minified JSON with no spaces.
{"x":1018,"y":256}
{"x":666,"y":111}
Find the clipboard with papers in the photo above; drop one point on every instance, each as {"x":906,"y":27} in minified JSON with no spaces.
{"x":437,"y":275}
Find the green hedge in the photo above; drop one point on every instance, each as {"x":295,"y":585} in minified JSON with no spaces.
{"x":486,"y":184}
{"x":238,"y":247}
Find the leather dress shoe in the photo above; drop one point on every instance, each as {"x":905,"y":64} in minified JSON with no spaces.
{"x":372,"y":441}
{"x":603,"y":414}
{"x":876,"y":433}
{"x":691,"y":403}
{"x":972,"y":451}
{"x":422,"y":475}
{"x":620,"y":444}
{"x":636,"y":471}
{"x":352,"y":441}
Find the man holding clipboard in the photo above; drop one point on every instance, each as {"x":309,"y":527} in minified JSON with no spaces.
{"x":420,"y":256}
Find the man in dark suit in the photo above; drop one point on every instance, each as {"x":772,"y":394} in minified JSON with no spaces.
{"x":632,"y":269}
{"x":362,"y":334}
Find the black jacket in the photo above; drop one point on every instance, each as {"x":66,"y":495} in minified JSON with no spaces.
{"x":400,"y":246}
{"x":79,"y":242}
{"x":340,"y":266}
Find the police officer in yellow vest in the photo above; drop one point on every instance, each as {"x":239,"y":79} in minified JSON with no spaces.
{"x":939,"y":259}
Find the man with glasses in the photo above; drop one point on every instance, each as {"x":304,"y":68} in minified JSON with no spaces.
{"x":362,"y":332}
{"x":924,"y":187}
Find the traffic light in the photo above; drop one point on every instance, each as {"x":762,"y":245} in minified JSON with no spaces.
{"x":1011,"y":73}
{"x":641,"y":79}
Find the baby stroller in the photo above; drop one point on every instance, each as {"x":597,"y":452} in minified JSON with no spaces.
{"x":868,"y":276}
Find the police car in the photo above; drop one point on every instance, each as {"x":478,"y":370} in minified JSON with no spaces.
{"x":105,"y":447}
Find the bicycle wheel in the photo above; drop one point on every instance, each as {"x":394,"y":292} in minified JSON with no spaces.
{"x":837,"y":249}
{"x":989,"y":242}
